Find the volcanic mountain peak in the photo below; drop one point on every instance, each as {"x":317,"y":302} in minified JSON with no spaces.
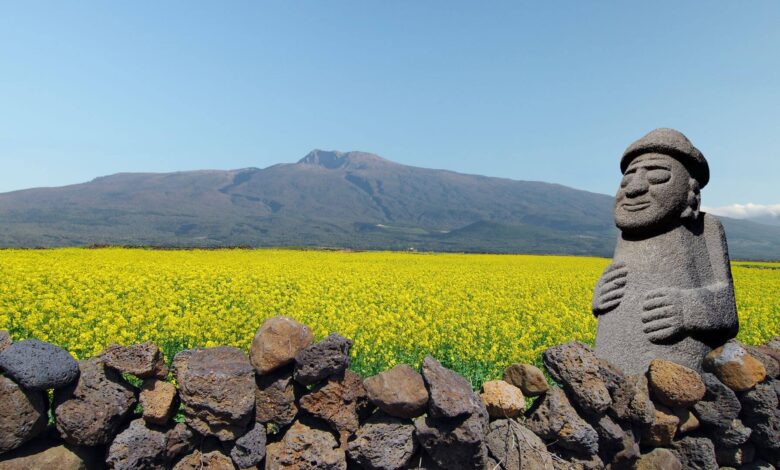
{"x":333,"y":159}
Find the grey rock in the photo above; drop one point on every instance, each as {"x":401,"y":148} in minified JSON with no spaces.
{"x":249,"y":449}
{"x":733,"y":435}
{"x":574,"y":460}
{"x":383,"y":443}
{"x":761,"y":413}
{"x":610,"y":433}
{"x":5,"y":340}
{"x":451,"y":395}
{"x":626,"y":454}
{"x":659,"y":459}
{"x":275,"y":397}
{"x":631,"y":401}
{"x":719,"y":405}
{"x":454,"y":443}
{"x":576,"y":367}
{"x":142,"y":360}
{"x":36,"y":365}
{"x":513,"y":446}
{"x":734,"y":456}
{"x":217,"y":389}
{"x":92,"y":410}
{"x":399,"y":392}
{"x":554,"y":419}
{"x":668,"y":293}
{"x":695,"y":453}
{"x":138,"y":446}
{"x":305,"y":448}
{"x":322,"y":360}
{"x":528,"y":378}
{"x":22,"y":414}
{"x":771,"y":366}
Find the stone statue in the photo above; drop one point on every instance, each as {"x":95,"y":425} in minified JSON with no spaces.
{"x":668,"y":293}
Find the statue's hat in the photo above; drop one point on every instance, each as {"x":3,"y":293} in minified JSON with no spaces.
{"x":673,"y":143}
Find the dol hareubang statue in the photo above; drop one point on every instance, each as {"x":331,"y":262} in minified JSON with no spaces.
{"x":668,"y":293}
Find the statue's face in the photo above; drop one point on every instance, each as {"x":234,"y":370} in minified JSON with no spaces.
{"x":652,"y":195}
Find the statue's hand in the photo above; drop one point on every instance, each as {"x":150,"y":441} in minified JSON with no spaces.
{"x":610,"y":288}
{"x":662,"y":314}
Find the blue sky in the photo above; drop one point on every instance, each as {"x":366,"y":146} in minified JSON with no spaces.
{"x":550,"y":91}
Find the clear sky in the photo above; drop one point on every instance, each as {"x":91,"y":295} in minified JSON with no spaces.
{"x":550,"y":91}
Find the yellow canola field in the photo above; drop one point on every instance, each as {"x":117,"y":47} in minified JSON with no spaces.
{"x":476,"y":313}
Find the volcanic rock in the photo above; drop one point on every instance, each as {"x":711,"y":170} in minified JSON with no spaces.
{"x":734,"y":456}
{"x":179,"y":441}
{"x":719,"y":405}
{"x":158,"y":400}
{"x":733,"y":435}
{"x":673,"y":384}
{"x":516,"y":447}
{"x":399,"y":392}
{"x":631,"y":401}
{"x":695,"y":453}
{"x":22,"y":414}
{"x":664,"y":427}
{"x":91,"y":411}
{"x":455,"y":443}
{"x":502,"y":399}
{"x":138,"y":446}
{"x":275,"y":397}
{"x":214,"y":460}
{"x":249,"y":449}
{"x":340,"y":402}
{"x":45,"y":454}
{"x":451,"y":395}
{"x":737,"y":369}
{"x":305,"y":448}
{"x":766,"y":356}
{"x":760,"y":412}
{"x":322,"y":360}
{"x":383,"y":443}
{"x":688,"y":420}
{"x":141,"y":360}
{"x":217,"y":389}
{"x":659,"y":459}
{"x":528,"y":378}
{"x":5,"y":340}
{"x":36,"y":365}
{"x":277,"y":342}
{"x":576,"y":367}
{"x":554,"y":419}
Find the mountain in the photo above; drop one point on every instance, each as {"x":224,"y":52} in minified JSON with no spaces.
{"x":331,"y":199}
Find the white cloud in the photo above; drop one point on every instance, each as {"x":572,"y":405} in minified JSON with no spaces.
{"x":746,"y":211}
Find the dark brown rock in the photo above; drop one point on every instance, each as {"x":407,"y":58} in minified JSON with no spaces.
{"x":695,"y":453}
{"x":36,"y":365}
{"x":768,"y":357}
{"x":322,"y":359}
{"x":383,"y":443}
{"x":688,"y":421}
{"x":5,"y":340}
{"x":733,"y":366}
{"x":249,"y":449}
{"x":159,"y":401}
{"x":180,"y":440}
{"x":516,"y":447}
{"x":734,"y":456}
{"x":659,"y":459}
{"x":450,"y":394}
{"x":277,"y":342}
{"x":502,"y":399}
{"x":663,"y":429}
{"x":275,"y":397}
{"x":214,"y":460}
{"x":138,"y":446}
{"x":528,"y":378}
{"x":631,"y":401}
{"x":554,"y":419}
{"x":340,"y":402}
{"x":217,"y":389}
{"x":576,"y":367}
{"x":22,"y":414}
{"x":92,"y":410}
{"x":399,"y":392}
{"x":305,"y":448}
{"x":141,"y":360}
{"x":674,"y":385}
{"x":455,"y":443}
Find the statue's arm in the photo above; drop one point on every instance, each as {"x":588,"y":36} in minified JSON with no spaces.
{"x":713,"y":309}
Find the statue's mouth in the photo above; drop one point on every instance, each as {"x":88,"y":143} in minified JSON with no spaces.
{"x":636,"y":206}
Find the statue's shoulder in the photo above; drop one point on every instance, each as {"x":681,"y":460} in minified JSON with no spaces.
{"x":712,"y":225}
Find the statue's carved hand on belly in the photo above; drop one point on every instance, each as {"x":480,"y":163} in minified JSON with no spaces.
{"x":611,"y":288}
{"x":663,"y":316}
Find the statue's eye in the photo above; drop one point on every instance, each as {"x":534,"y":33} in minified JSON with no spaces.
{"x":658,"y":176}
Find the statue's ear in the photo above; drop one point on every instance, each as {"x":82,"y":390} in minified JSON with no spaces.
{"x":694,"y":201}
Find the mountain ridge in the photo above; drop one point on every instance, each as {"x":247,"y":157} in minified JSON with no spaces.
{"x":351,"y":199}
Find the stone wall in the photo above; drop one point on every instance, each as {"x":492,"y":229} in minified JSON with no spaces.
{"x":293,"y":403}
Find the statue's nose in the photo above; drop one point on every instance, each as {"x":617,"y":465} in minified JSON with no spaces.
{"x":637,"y":186}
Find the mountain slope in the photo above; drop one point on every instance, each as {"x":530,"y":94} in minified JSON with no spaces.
{"x":354,"y":200}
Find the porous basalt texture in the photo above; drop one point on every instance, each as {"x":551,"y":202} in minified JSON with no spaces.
{"x":36,"y":365}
